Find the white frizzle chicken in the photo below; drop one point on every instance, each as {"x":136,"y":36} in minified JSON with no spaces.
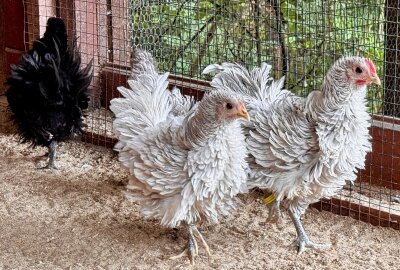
{"x":187,"y":163}
{"x":303,"y":149}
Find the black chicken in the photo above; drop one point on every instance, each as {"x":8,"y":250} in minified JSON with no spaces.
{"x":48,"y":90}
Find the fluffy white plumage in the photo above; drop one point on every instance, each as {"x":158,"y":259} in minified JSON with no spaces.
{"x":187,"y":161}
{"x":303,"y":149}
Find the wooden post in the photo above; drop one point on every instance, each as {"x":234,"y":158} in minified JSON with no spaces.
{"x":3,"y":68}
{"x":65,"y":10}
{"x":12,"y":36}
{"x":392,"y":58}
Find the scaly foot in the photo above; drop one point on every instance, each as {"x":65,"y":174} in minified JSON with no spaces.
{"x":304,"y":243}
{"x":192,"y":249}
{"x":52,"y":157}
{"x":302,"y":240}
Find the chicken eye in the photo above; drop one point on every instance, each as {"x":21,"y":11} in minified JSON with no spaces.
{"x":229,"y":106}
{"x":358,"y":70}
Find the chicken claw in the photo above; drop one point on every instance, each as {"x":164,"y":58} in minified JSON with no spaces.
{"x":52,"y":157}
{"x":192,"y":249}
{"x":305,"y":242}
{"x":302,"y":241}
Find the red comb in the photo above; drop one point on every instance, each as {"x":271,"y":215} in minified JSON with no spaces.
{"x":371,"y":66}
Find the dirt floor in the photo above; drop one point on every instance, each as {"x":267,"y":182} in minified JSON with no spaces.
{"x":77,"y":218}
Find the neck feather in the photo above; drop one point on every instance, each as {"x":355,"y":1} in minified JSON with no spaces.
{"x":336,"y":90}
{"x":202,"y":124}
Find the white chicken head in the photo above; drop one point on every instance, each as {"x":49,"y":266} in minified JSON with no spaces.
{"x":359,"y":72}
{"x":227,"y":106}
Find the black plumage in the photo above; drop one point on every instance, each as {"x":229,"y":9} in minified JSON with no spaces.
{"x":48,"y":90}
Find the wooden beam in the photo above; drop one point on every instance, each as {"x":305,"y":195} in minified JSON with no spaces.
{"x":114,"y":76}
{"x":359,"y":212}
{"x":100,"y":140}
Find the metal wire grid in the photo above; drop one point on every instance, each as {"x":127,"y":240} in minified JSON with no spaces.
{"x":392,"y":63}
{"x":300,"y":39}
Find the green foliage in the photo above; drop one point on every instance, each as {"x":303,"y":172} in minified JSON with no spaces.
{"x":186,"y":36}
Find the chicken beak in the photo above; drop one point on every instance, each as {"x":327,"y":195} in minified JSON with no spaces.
{"x":375,"y":79}
{"x":243,"y":113}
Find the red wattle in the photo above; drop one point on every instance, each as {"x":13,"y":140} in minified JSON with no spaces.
{"x":360,"y":82}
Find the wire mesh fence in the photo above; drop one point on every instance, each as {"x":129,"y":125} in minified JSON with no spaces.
{"x":300,"y":39}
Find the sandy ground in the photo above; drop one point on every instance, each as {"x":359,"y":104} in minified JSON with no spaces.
{"x":77,"y":218}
